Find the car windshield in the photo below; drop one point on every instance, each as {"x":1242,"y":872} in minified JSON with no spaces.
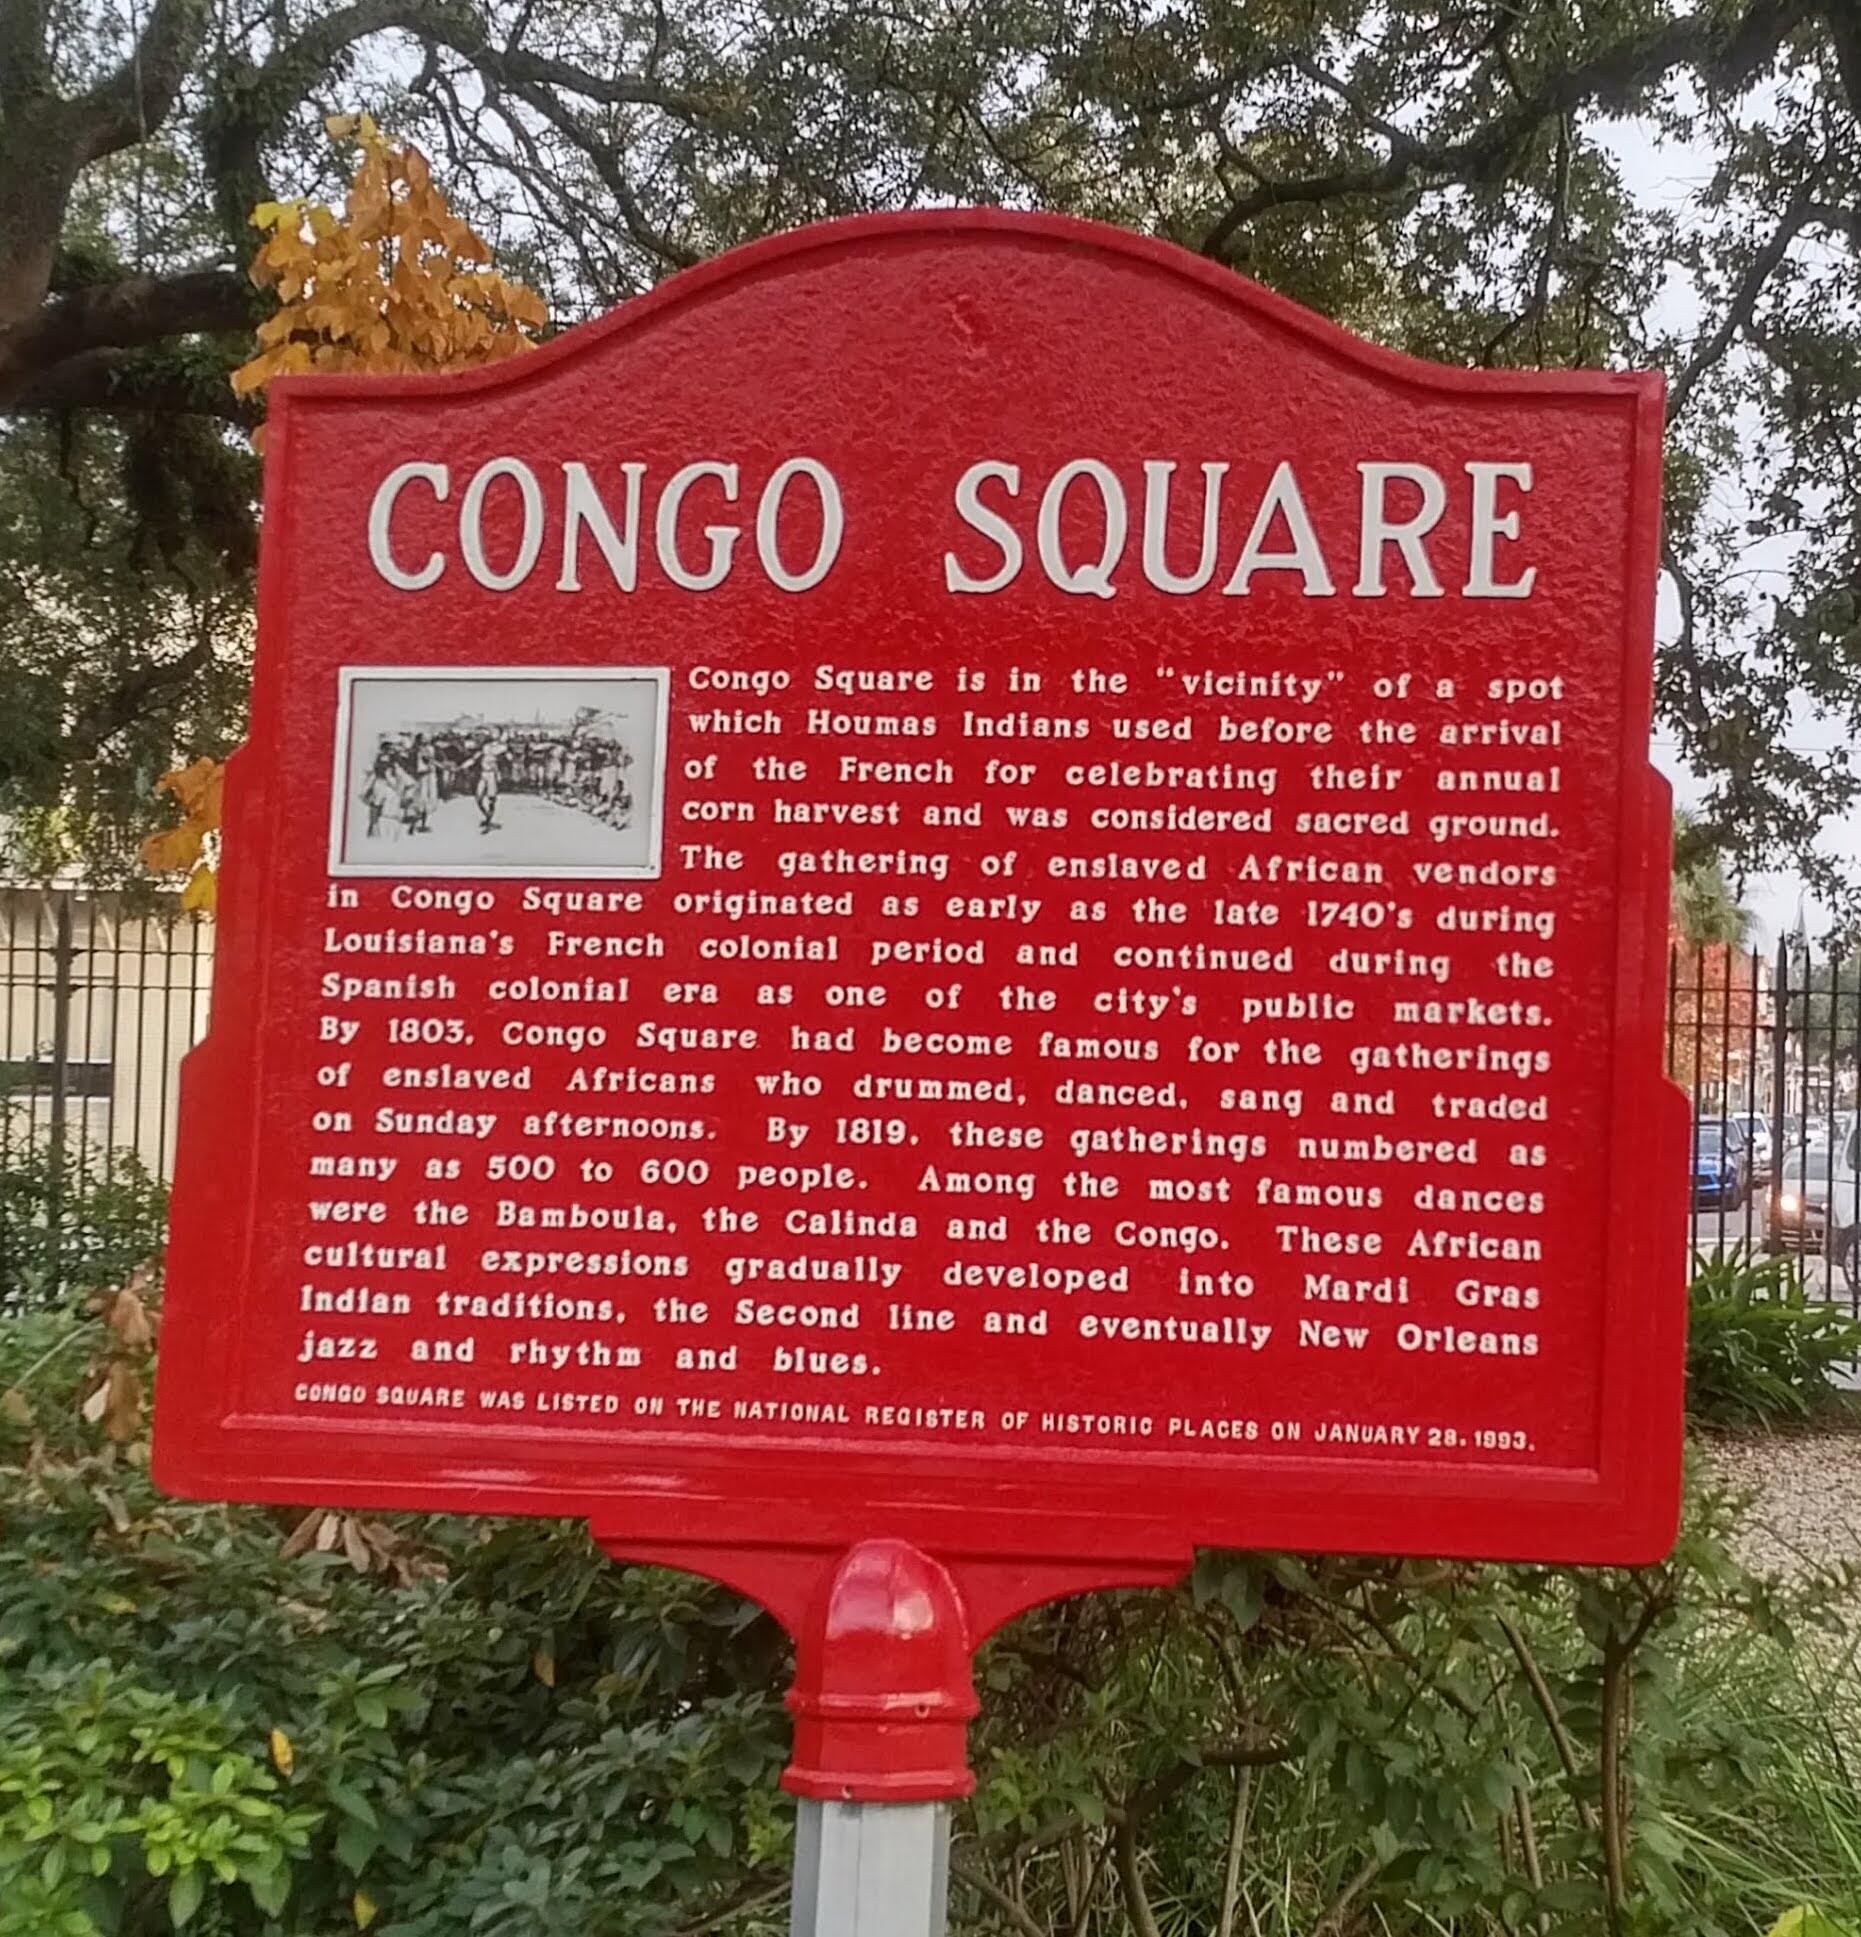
{"x":1813,"y":1164}
{"x":1709,"y":1139}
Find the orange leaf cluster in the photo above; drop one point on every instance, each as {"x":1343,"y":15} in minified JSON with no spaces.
{"x":369,"y":1546}
{"x":395,"y":283}
{"x":197,"y":787}
{"x":114,"y":1383}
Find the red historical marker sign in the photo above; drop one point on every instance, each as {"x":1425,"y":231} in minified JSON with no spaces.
{"x":962,"y":880}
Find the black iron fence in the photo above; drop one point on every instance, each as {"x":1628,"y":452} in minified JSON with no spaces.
{"x":1767,"y":1048}
{"x":101,"y":997}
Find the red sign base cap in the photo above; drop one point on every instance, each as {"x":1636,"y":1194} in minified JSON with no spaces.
{"x":885,"y":1636}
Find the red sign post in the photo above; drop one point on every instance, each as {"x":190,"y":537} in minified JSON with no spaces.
{"x":951,"y":907}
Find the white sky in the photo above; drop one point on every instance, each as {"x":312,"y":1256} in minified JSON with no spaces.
{"x":1672,"y":173}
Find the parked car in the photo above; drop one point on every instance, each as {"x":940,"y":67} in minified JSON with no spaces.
{"x":1798,"y":1217}
{"x":1813,"y":1136}
{"x":1757,"y":1131}
{"x":1842,"y":1219}
{"x":1721,"y":1164}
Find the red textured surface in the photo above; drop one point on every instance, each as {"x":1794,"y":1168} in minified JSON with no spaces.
{"x":899,"y":351}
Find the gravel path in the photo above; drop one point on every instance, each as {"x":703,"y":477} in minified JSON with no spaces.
{"x":1806,"y":1496}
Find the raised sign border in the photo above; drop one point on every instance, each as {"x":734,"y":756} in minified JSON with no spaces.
{"x":667,"y":1492}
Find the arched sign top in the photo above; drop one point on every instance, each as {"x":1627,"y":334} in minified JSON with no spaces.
{"x":961,"y":881}
{"x":1004,"y":234}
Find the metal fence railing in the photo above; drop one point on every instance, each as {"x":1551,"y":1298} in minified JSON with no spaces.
{"x":1766,"y":1047}
{"x":101,"y":997}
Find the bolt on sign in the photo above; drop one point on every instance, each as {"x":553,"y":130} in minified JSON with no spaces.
{"x":958,"y":901}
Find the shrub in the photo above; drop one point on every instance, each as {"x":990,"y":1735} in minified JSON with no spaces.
{"x":431,"y":1726}
{"x":72,"y":1220}
{"x":256,"y":1723}
{"x":1760,"y":1349}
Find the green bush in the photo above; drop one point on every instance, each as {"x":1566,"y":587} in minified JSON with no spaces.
{"x":72,"y":1220}
{"x":1760,"y":1349}
{"x":247,"y":1723}
{"x":493,"y":1728}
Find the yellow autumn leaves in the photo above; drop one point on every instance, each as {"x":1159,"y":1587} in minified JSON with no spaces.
{"x":197,"y":787}
{"x":395,"y":283}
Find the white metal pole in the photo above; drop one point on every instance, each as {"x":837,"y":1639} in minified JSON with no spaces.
{"x":871,"y":1869}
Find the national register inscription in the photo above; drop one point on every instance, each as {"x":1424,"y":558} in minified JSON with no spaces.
{"x":856,"y":878}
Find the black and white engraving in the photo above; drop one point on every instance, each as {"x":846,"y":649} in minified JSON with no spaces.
{"x":494,"y":771}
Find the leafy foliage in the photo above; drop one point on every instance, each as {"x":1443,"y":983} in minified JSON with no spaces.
{"x":397,"y":282}
{"x":190,"y":845}
{"x":71,"y":1220}
{"x":125,"y":629}
{"x":1480,"y":182}
{"x":1705,"y":910}
{"x":1760,"y":1349}
{"x":182,"y":1699}
{"x":1805,"y":1920}
{"x":260,"y":1724}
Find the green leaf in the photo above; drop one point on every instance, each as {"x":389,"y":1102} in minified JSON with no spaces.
{"x":185,"y":1894}
{"x":356,"y":1844}
{"x":271,"y":1888}
{"x":1807,"y":1921}
{"x":351,"y":1802}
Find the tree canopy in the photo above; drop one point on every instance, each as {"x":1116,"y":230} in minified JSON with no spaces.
{"x":1470,"y":180}
{"x":1705,"y":910}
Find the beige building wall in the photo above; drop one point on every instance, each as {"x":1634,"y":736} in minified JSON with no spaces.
{"x":126,"y":989}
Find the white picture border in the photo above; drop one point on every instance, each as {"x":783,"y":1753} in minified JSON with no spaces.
{"x":341,"y":805}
